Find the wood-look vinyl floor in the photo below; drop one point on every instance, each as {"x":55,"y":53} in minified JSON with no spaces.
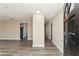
{"x":17,"y":48}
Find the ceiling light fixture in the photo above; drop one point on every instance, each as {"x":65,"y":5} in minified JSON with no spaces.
{"x":37,"y":12}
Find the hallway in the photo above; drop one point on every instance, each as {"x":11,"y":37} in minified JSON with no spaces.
{"x":16,"y":48}
{"x":33,"y":21}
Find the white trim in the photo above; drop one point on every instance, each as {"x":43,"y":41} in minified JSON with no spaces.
{"x":36,"y":45}
{"x":29,"y":38}
{"x":9,"y":38}
{"x":58,"y":47}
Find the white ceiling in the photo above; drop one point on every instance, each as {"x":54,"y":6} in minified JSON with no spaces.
{"x":24,"y":11}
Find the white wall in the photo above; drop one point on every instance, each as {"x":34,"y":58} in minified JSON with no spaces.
{"x":30,"y":33}
{"x":0,"y":29}
{"x":58,"y":33}
{"x":57,"y":30}
{"x":38,"y":30}
{"x":11,"y":30}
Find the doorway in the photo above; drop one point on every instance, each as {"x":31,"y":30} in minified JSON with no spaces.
{"x":51,"y":31}
{"x":23,"y":31}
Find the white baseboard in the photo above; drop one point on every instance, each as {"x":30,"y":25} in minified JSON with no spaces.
{"x":9,"y":38}
{"x":58,"y":47}
{"x":36,"y":45}
{"x":29,"y":38}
